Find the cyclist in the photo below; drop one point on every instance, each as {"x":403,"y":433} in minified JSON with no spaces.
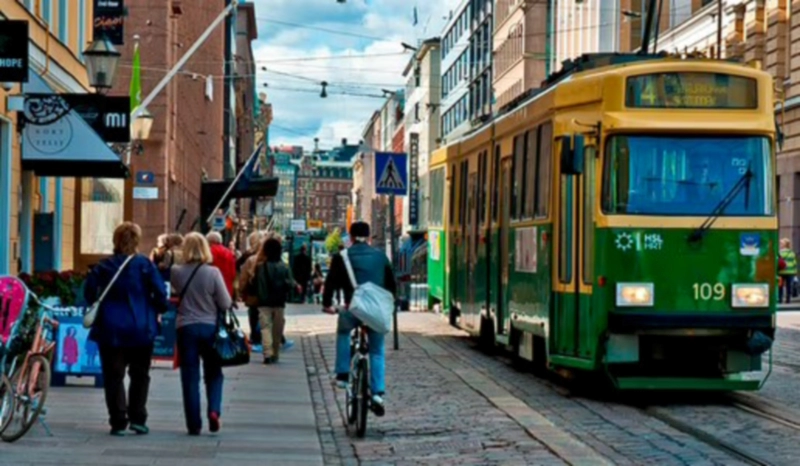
{"x":366,"y":261}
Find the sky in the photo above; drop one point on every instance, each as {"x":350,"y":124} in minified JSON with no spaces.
{"x":355,"y":46}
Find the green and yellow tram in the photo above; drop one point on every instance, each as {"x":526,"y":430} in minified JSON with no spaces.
{"x":622,"y":220}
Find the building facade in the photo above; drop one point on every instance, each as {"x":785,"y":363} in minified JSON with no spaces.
{"x":283,"y":210}
{"x":185,"y":146}
{"x":364,"y":171}
{"x":324,"y":186}
{"x":467,"y":68}
{"x":59,"y":31}
{"x":245,"y":94}
{"x":423,"y":99}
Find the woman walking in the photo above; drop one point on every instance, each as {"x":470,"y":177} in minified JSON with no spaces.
{"x":126,"y":327}
{"x":273,"y":282}
{"x":203,"y":295}
{"x":247,"y":270}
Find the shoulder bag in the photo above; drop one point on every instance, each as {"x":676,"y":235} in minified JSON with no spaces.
{"x":89,"y":317}
{"x":370,"y":303}
{"x":230,"y":342}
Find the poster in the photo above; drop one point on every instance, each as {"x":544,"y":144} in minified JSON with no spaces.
{"x":435,"y":246}
{"x":525,"y":252}
{"x":164,"y":347}
{"x":75,"y":353}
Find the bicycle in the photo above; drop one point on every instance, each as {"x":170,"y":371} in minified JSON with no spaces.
{"x":358,"y":394}
{"x":23,"y":398}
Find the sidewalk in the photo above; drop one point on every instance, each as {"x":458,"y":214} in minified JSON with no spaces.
{"x":267,"y":418}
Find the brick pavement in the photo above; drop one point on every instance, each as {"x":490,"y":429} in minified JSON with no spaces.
{"x":267,"y":417}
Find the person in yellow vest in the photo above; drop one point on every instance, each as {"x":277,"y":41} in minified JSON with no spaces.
{"x":787,"y":270}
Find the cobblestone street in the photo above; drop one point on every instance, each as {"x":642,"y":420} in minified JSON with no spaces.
{"x":447,"y":403}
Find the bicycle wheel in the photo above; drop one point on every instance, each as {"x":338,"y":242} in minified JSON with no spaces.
{"x":6,"y":402}
{"x":362,"y":399}
{"x":30,"y":399}
{"x":350,"y":404}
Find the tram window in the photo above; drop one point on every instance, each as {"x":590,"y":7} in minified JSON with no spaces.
{"x":687,"y":175}
{"x":452,"y":195}
{"x":496,"y":183}
{"x":484,"y":189}
{"x":588,"y":215}
{"x":544,"y":174}
{"x":462,"y":210}
{"x":436,"y":211}
{"x":530,"y":173}
{"x":519,"y":176}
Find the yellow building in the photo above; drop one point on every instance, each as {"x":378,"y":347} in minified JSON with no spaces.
{"x":59,"y":31}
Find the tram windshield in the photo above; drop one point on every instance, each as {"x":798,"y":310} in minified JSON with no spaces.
{"x":686,"y":175}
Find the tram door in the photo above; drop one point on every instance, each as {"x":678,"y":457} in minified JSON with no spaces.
{"x":567,"y":304}
{"x":471,"y":310}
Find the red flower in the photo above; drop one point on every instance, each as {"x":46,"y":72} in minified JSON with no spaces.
{"x":66,"y":275}
{"x":25,"y":277}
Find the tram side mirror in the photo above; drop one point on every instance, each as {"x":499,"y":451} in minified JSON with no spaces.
{"x":779,"y":136}
{"x":572,"y":152}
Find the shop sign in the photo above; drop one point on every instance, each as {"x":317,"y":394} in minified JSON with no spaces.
{"x":109,"y":20}
{"x":14,"y":52}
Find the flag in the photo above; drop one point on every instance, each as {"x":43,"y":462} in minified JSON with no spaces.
{"x":136,"y":79}
{"x":251,"y":169}
{"x":416,"y":17}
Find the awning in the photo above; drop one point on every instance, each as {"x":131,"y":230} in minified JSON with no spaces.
{"x":57,"y":141}
{"x":211,"y":192}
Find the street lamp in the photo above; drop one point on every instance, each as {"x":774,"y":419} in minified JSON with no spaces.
{"x":141,"y":125}
{"x":102,"y":60}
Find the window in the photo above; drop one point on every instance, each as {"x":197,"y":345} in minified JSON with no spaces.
{"x":518,"y":204}
{"x":462,"y":210}
{"x":496,"y":183}
{"x":588,"y":215}
{"x":565,"y":231}
{"x":530,"y":173}
{"x":484,"y":190}
{"x":687,"y":175}
{"x":452,"y":196}
{"x":544,"y":171}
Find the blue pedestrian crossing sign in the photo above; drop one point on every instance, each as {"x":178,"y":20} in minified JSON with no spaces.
{"x":391,"y":173}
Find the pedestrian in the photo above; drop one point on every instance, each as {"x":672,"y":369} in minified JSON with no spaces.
{"x":236,"y":253}
{"x":787,"y":269}
{"x":273,"y":283}
{"x":157,"y":254}
{"x":247,"y":272}
{"x":203,"y":295}
{"x":318,"y":279}
{"x":302,"y":272}
{"x":369,"y":265}
{"x":170,"y":255}
{"x":126,"y":327}
{"x":223,"y":259}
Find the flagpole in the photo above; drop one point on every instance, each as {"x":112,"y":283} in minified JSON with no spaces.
{"x":235,"y":181}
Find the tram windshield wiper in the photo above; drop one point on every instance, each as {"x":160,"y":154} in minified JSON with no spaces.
{"x":743,"y":183}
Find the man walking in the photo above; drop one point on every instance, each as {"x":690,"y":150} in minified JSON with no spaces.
{"x":301,"y":271}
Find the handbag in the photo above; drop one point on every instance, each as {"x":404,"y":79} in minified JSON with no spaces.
{"x":371,"y":304}
{"x":230,"y":342}
{"x":91,"y":316}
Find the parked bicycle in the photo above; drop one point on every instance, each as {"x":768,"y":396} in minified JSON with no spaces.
{"x":25,"y":382}
{"x":359,"y":392}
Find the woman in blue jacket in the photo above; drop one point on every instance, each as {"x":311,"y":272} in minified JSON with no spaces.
{"x":126,"y":327}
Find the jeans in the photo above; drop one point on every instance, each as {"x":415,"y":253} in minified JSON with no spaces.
{"x":785,"y":294}
{"x":196,"y":341}
{"x":377,"y":352}
{"x":114,"y":361}
{"x":255,"y":330}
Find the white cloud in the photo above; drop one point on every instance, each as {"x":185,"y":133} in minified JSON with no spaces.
{"x":351,"y":65}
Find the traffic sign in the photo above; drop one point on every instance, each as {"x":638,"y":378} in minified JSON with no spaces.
{"x":391,"y":173}
{"x":219,"y":222}
{"x":145,"y":177}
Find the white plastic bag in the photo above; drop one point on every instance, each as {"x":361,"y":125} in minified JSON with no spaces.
{"x":371,"y":304}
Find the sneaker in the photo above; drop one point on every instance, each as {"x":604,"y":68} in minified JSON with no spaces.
{"x":118,"y":432}
{"x":342,"y":381}
{"x":213,"y":422}
{"x":257,"y":348}
{"x":140,"y":429}
{"x":377,"y":405}
{"x":268,"y":361}
{"x":288,"y":344}
{"x":194,"y":433}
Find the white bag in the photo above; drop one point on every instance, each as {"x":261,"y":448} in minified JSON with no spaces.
{"x":371,"y":304}
{"x":89,"y":317}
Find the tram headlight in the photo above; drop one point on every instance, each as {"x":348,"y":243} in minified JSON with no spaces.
{"x":750,"y":295}
{"x":634,"y":294}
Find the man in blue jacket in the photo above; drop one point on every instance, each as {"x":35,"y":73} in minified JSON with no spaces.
{"x":369,"y":265}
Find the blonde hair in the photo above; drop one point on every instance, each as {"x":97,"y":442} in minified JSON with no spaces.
{"x":785,"y":243}
{"x":254,"y":241}
{"x":196,"y":249}
{"x":162,"y":241}
{"x":126,"y":238}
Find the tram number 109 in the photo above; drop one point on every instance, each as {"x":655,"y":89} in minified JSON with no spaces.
{"x":707,"y":291}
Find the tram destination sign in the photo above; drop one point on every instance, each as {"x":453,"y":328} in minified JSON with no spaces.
{"x":691,"y":91}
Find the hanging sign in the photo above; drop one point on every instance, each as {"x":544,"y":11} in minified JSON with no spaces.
{"x":413,"y":178}
{"x":109,"y":20}
{"x":14,"y":52}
